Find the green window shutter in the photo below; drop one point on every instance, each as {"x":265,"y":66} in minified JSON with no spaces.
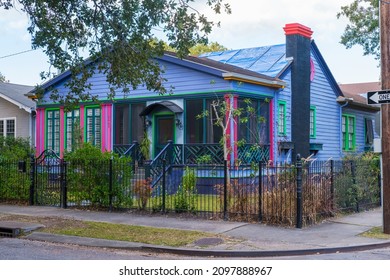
{"x":282,"y":118}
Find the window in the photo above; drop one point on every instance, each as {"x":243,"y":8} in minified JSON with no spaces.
{"x":7,"y":127}
{"x":93,"y":123}
{"x":253,"y":125}
{"x":348,"y":131}
{"x":369,"y":128}
{"x":53,"y":130}
{"x":281,"y":118}
{"x":73,"y":133}
{"x":313,"y":119}
{"x":194,"y":125}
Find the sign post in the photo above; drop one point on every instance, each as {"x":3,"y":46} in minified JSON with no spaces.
{"x":385,"y":109}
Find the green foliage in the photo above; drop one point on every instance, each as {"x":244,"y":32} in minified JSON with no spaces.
{"x":15,"y":148}
{"x":3,"y":79}
{"x":186,"y":196}
{"x":88,"y":175}
{"x":357,"y":182}
{"x":145,"y":146}
{"x":116,"y":36}
{"x":363,"y":29}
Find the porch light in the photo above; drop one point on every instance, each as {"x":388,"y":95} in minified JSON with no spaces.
{"x":148,"y":123}
{"x":179,"y":124}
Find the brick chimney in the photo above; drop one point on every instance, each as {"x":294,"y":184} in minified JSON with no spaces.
{"x":298,"y":41}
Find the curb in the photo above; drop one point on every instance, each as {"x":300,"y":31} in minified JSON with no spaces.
{"x":114,"y":244}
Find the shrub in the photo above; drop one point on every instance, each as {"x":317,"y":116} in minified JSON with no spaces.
{"x":185,"y":199}
{"x":89,"y":174}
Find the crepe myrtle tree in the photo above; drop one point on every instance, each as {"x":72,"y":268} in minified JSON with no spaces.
{"x":116,"y":35}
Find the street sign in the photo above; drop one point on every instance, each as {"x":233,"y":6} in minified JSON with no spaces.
{"x":378,"y":97}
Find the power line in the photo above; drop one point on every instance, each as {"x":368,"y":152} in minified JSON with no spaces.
{"x":14,"y":54}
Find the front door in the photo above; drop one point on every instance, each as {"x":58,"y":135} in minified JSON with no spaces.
{"x":164,"y":131}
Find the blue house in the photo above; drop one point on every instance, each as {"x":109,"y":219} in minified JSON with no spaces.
{"x":298,"y":108}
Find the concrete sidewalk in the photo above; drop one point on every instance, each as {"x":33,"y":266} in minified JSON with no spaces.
{"x":248,"y":240}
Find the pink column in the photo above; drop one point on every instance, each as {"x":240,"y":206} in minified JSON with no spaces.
{"x":231,"y":131}
{"x":106,"y":127}
{"x":40,"y":131}
{"x":62,"y":131}
{"x":271,"y":130}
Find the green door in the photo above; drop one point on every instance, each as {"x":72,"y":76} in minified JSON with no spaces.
{"x":164,"y":131}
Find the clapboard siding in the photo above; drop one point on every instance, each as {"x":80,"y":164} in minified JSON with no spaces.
{"x":284,"y":95}
{"x":328,"y":129}
{"x":183,"y":80}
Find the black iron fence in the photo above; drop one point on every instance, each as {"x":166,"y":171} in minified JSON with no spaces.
{"x":296,"y":195}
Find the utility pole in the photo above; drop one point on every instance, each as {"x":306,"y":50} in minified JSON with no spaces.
{"x":384,"y":14}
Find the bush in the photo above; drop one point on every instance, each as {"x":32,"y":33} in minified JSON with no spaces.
{"x":89,"y":174}
{"x":15,"y":148}
{"x":186,"y":196}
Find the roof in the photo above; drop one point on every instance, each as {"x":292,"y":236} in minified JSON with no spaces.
{"x":269,"y":60}
{"x":226,"y":71}
{"x":16,"y":94}
{"x":357,"y":92}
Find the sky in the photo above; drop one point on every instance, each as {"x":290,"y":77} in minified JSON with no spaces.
{"x":253,"y":23}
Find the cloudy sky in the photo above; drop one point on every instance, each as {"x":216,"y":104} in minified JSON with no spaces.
{"x":252,"y":23}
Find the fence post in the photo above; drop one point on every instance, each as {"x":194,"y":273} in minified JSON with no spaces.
{"x":163,"y":188}
{"x":32,"y":179}
{"x":331,"y":185}
{"x":64,"y":190}
{"x":260,"y":191}
{"x":225,"y":196}
{"x":110,"y":185}
{"x":299,"y":191}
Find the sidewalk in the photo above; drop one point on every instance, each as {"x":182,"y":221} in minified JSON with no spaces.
{"x":336,"y":235}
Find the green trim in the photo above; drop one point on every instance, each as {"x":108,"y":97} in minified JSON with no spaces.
{"x":284,"y":105}
{"x":53,"y":118}
{"x":66,"y":126}
{"x":346,"y":142}
{"x":161,"y":115}
{"x":314,"y":134}
{"x":86,"y":108}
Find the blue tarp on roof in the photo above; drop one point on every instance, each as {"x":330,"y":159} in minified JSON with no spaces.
{"x":269,"y":60}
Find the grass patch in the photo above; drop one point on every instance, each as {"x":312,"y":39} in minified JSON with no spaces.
{"x":130,"y":233}
{"x":142,"y":234}
{"x":376,"y":232}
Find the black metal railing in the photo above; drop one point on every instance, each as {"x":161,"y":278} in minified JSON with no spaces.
{"x":296,"y":194}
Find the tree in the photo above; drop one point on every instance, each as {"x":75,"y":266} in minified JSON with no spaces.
{"x":3,"y":79}
{"x":363,"y":29}
{"x":116,"y":35}
{"x":198,"y":49}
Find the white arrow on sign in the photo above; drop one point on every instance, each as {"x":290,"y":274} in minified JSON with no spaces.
{"x":375,"y":97}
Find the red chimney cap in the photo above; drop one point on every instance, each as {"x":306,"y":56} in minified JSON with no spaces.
{"x":297,"y":29}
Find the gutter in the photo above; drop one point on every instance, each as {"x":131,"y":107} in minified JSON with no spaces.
{"x":253,"y":80}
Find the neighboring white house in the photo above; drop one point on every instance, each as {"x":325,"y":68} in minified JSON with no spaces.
{"x":17,"y":112}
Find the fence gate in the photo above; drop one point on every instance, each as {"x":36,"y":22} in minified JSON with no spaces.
{"x":48,"y":179}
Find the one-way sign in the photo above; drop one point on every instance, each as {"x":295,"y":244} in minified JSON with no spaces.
{"x":378,"y":97}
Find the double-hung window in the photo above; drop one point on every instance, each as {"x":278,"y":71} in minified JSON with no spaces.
{"x":53,"y":130}
{"x":93,"y":123}
{"x":348,"y":130}
{"x":7,"y":127}
{"x":73,"y":132}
